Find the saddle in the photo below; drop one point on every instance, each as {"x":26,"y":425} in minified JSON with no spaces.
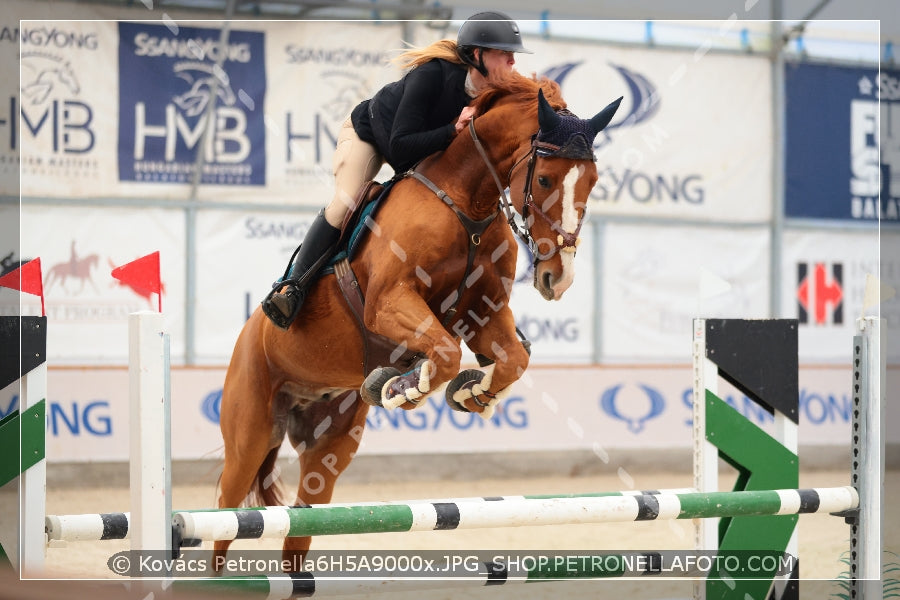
{"x":378,"y":350}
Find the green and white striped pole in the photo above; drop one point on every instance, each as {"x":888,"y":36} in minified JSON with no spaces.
{"x":280,"y":522}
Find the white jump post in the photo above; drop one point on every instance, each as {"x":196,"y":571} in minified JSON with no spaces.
{"x":867,"y":456}
{"x":150,"y":441}
{"x":33,"y":483}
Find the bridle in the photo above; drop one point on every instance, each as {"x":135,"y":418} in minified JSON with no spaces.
{"x":565,"y":241}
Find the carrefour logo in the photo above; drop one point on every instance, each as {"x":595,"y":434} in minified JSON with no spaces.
{"x":820,"y":293}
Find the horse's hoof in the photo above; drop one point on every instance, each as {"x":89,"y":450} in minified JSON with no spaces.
{"x":410,"y":387}
{"x":462,"y":383}
{"x":469,"y":391}
{"x":371,"y":387}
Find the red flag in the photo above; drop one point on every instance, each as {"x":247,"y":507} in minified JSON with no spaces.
{"x":27,"y":278}
{"x":142,"y":275}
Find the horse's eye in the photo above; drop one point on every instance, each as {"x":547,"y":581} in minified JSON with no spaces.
{"x":544,"y":182}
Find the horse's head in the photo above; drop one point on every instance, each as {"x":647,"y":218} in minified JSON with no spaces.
{"x":550,"y":187}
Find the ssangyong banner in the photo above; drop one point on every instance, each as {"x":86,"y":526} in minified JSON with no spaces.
{"x":824,"y":275}
{"x":318,"y":72}
{"x":657,"y":279}
{"x":575,"y":408}
{"x":65,"y":107}
{"x":242,"y":253}
{"x":837,"y":119}
{"x":692,"y":139}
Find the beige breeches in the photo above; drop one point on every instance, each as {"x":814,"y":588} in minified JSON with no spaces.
{"x":355,"y":162}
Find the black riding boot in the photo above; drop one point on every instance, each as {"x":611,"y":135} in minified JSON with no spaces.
{"x":284,"y":301}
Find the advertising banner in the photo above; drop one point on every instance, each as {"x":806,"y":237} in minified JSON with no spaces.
{"x":167,"y":79}
{"x":87,"y":309}
{"x":120,"y":109}
{"x":656,"y":279}
{"x":692,"y":138}
{"x":577,"y":408}
{"x":123,"y":109}
{"x":824,"y":285}
{"x":843,"y":143}
{"x":64,"y":108}
{"x":318,"y":72}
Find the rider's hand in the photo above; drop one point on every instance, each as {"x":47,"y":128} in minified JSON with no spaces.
{"x":464,"y":117}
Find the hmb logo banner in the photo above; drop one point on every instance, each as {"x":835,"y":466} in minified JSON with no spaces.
{"x":171,"y":89}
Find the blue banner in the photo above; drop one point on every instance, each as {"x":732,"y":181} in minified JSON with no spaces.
{"x":167,"y":79}
{"x":837,"y":119}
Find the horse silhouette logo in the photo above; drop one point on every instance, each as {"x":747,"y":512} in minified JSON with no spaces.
{"x":43,"y":73}
{"x":348,"y":89}
{"x":77,"y":267}
{"x":202,"y":79}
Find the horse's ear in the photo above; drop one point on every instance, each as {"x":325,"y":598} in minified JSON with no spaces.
{"x":547,"y":117}
{"x":602,"y":118}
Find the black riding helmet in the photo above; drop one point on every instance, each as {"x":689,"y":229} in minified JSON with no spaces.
{"x":489,"y":29}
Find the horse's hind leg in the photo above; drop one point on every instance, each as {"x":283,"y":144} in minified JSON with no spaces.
{"x":326,"y":435}
{"x":238,"y":479}
{"x":249,"y":429}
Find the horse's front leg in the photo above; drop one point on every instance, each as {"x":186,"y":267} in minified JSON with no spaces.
{"x":407,"y":319}
{"x":480,"y":390}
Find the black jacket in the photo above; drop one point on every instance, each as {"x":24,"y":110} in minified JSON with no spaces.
{"x":414,"y":117}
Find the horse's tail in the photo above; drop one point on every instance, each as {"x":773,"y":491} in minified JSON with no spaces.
{"x":266,"y":489}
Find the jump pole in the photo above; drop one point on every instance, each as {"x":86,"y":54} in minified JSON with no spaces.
{"x":115,"y":526}
{"x":281,"y":522}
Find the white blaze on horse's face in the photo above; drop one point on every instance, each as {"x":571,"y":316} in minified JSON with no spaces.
{"x":569,"y":225}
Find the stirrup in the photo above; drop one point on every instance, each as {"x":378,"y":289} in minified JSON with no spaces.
{"x":275,"y":315}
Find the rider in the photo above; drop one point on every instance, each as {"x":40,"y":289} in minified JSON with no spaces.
{"x":404,"y":122}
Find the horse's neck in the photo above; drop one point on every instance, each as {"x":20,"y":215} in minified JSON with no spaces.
{"x":470,"y":180}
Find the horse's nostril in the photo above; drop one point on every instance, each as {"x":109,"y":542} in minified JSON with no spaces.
{"x":548,"y":280}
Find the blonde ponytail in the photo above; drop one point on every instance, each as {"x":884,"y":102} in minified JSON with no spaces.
{"x":414,"y":57}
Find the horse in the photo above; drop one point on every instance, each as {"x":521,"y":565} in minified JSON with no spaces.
{"x":79,"y":268}
{"x":435,"y":270}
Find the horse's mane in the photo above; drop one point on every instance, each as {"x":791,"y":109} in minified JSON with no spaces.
{"x":520,"y":86}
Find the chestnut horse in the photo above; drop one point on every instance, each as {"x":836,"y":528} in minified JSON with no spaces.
{"x":436,"y":269}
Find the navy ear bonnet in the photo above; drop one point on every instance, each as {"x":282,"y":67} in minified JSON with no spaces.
{"x":562,"y":134}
